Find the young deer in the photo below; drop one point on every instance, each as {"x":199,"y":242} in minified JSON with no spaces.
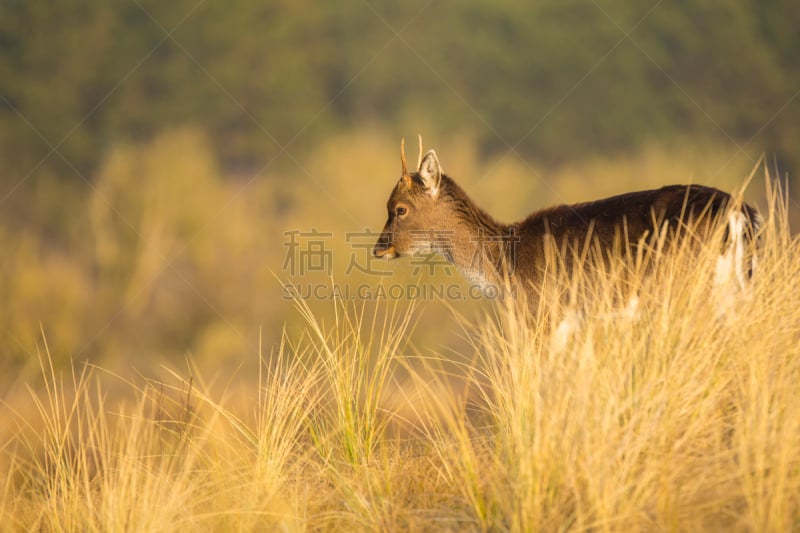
{"x":429,"y":212}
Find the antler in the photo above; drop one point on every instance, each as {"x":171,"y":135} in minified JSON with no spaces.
{"x":403,"y":156}
{"x":419,"y":157}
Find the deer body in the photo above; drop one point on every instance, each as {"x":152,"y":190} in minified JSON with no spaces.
{"x":428,"y":212}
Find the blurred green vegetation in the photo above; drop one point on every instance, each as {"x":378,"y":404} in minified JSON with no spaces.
{"x":556,"y":79}
{"x":154,"y":155}
{"x":552,"y":78}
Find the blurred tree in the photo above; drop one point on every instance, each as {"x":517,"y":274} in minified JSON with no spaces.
{"x":52,"y":81}
{"x":556,"y":79}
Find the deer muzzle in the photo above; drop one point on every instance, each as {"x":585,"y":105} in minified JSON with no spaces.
{"x":384,"y":248}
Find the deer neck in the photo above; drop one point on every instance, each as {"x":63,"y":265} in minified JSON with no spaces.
{"x":478,"y":245}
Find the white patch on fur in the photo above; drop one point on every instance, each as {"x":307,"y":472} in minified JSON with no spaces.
{"x":730,"y":276}
{"x":478,"y":279}
{"x":631,"y":311}
{"x":564,"y":332}
{"x":574,"y":320}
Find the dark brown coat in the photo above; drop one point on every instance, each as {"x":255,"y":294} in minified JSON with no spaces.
{"x":428,"y":211}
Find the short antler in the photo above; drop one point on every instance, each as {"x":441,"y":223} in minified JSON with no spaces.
{"x":403,"y":157}
{"x":419,"y":157}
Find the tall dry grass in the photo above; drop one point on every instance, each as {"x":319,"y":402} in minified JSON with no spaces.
{"x":681,"y":416}
{"x":675,"y":417}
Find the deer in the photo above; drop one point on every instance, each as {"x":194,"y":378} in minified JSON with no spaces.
{"x":429,"y":212}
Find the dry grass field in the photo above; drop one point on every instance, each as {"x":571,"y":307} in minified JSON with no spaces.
{"x":677,"y":418}
{"x":196,"y":334}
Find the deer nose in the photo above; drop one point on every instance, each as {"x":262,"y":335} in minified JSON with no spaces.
{"x":383,"y":249}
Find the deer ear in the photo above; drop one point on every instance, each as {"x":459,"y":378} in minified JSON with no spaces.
{"x":430,"y":172}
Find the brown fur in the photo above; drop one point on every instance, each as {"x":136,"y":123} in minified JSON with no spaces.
{"x":440,"y":216}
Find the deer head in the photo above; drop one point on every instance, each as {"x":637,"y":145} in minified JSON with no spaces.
{"x":415,"y":219}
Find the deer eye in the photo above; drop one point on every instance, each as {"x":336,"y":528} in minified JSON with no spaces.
{"x":400,"y":210}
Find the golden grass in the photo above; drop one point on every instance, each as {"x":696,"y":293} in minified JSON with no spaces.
{"x":677,"y":418}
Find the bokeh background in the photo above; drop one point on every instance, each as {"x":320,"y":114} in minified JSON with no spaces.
{"x":164,"y":165}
